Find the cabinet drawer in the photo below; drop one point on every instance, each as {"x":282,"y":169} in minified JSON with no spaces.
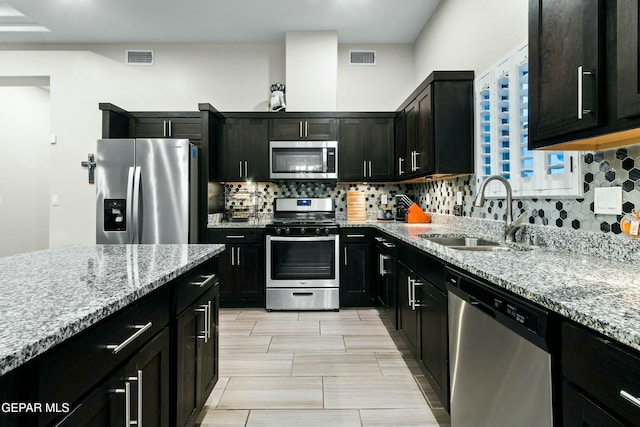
{"x":236,"y":235}
{"x":579,"y":411}
{"x":604,"y":370}
{"x":73,"y":367}
{"x":355,"y":235}
{"x":190,"y":286}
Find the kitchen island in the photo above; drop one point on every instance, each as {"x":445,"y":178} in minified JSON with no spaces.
{"x":70,"y":315}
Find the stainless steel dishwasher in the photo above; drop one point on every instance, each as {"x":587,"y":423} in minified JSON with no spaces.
{"x":500,"y":363}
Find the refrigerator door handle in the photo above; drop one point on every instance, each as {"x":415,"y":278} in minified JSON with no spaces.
{"x":136,"y":205}
{"x":129,"y":208}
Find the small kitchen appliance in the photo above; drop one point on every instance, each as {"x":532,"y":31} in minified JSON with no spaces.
{"x":303,"y":160}
{"x":302,"y":262}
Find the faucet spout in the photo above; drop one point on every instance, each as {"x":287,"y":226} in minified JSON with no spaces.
{"x":510,"y":226}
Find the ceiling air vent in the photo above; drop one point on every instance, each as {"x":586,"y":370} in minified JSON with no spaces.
{"x":139,"y":57}
{"x":362,"y":57}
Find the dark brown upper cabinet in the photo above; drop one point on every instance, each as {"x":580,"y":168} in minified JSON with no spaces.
{"x":584,"y":80}
{"x":366,"y":149}
{"x":437,"y":138}
{"x":312,"y":129}
{"x":566,"y":67}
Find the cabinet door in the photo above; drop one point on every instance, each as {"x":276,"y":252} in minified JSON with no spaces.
{"x":256,"y":149}
{"x":378,"y":148}
{"x":226,"y":270}
{"x":628,"y":58}
{"x":168,"y":127}
{"x":207,"y":363}
{"x":425,"y":149}
{"x":321,"y":129}
{"x":149,"y":127}
{"x":189,"y":325}
{"x":286,"y":129}
{"x":566,"y":65}
{"x":400,"y":142}
{"x":351,"y":163}
{"x":434,"y":340}
{"x":230,"y":163}
{"x":185,"y":127}
{"x":411,"y":113}
{"x":148,"y":374}
{"x":356,"y":289}
{"x":407,"y":317}
{"x":103,"y":407}
{"x":250,"y":266}
{"x":578,"y":411}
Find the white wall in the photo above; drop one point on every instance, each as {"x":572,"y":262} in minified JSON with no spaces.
{"x":470,"y":35}
{"x":234,"y":77}
{"x":24,"y":169}
{"x":381,"y":87}
{"x":311,"y":71}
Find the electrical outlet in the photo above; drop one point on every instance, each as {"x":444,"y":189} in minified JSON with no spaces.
{"x":427,"y":199}
{"x":55,"y":200}
{"x":53,"y":139}
{"x":383,"y":199}
{"x":459,"y":198}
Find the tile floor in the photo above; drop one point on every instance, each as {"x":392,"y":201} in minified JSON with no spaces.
{"x":346,"y":368}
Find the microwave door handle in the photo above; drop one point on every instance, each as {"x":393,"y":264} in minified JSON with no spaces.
{"x":129,"y":208}
{"x":136,"y":205}
{"x":325,"y":160}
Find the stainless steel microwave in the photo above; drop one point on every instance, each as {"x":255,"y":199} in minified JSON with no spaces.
{"x":303,"y":159}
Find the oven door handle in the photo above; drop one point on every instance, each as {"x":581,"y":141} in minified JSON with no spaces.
{"x":302,"y":239}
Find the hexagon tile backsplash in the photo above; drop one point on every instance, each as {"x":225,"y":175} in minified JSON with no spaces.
{"x":619,"y":167}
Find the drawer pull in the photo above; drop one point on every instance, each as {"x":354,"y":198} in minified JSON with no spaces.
{"x":302,"y":294}
{"x":140,"y":330}
{"x":630,"y":398}
{"x":355,"y":235}
{"x":235,"y":237}
{"x":207,"y":280}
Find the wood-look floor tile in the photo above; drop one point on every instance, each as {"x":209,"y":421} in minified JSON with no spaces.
{"x":262,"y":314}
{"x":216,"y":393}
{"x":335,"y":364}
{"x":396,"y":364}
{"x":370,"y":343}
{"x":397,"y":417}
{"x":368,"y":313}
{"x":284,"y":327}
{"x":272,"y":393}
{"x":236,"y":328}
{"x":306,"y":418}
{"x":223,"y":418}
{"x":228,"y":314}
{"x":254,"y":364}
{"x":243,"y":344}
{"x":343,"y":327}
{"x":329,"y":315}
{"x":372,"y":393}
{"x":306,"y":344}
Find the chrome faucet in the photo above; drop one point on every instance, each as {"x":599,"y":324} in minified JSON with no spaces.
{"x":510,"y":226}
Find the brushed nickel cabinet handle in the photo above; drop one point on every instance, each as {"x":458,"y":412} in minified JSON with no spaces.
{"x":630,"y":398}
{"x":141,"y":329}
{"x":206,"y":281}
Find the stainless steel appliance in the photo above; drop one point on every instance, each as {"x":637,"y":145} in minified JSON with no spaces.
{"x":303,"y":255}
{"x":500,"y":364}
{"x":303,"y":159}
{"x":147,"y":191}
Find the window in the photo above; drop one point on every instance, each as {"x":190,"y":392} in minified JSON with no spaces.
{"x":502,"y":130}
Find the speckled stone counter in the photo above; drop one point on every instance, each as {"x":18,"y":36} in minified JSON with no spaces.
{"x":602,"y":294}
{"x":48,"y":296}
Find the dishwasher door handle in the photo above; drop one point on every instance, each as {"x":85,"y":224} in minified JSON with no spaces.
{"x":482,"y":308}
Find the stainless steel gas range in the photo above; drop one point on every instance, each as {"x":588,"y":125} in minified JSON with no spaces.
{"x":303,"y":255}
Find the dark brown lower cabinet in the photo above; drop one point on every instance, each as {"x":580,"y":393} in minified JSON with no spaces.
{"x":137,"y":392}
{"x":580,"y":411}
{"x":408,"y":320}
{"x":197,"y":356}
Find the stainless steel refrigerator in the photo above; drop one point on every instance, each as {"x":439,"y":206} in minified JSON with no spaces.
{"x":147,"y":191}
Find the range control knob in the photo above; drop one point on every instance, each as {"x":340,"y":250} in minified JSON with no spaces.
{"x":317,"y":231}
{"x":278,"y":230}
{"x":287,"y":230}
{"x":326,"y":231}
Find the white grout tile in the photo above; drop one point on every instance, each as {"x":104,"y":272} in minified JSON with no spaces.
{"x":241,"y":344}
{"x":306,"y":418}
{"x":306,"y":344}
{"x":335,"y":364}
{"x":256,"y":365}
{"x":390,"y":392}
{"x":283,"y":327}
{"x":272,"y":393}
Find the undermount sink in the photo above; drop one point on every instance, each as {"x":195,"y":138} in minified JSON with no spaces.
{"x":472,"y":244}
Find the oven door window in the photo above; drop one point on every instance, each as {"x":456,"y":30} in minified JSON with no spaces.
{"x":303,"y":259}
{"x":291,"y":160}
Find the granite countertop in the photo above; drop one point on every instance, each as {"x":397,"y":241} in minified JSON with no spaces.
{"x":50,"y":295}
{"x":599,"y":293}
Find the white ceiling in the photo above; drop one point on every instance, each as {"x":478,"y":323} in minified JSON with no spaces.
{"x":210,"y":21}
